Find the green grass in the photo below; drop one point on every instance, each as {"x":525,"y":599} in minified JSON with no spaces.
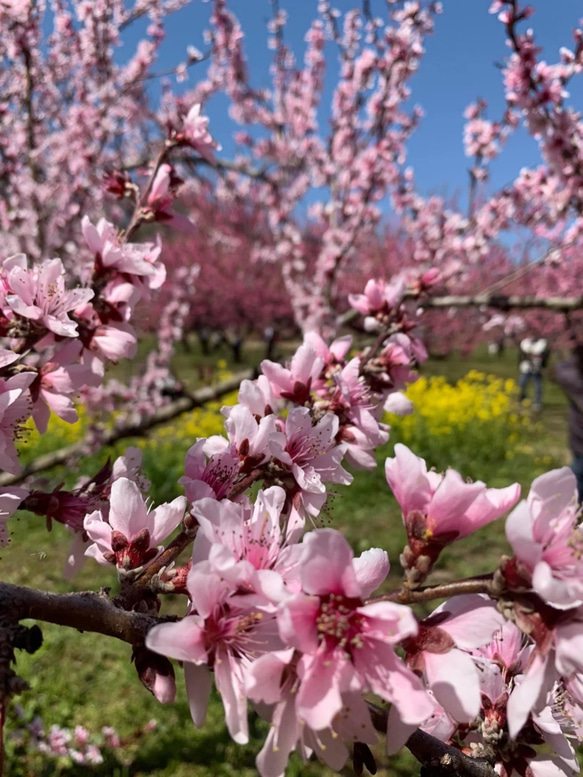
{"x":87,"y":679}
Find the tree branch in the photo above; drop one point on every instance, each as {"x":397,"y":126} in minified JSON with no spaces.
{"x":439,"y":758}
{"x":445,"y":591}
{"x":85,"y":611}
{"x":442,"y":760}
{"x":502,"y":302}
{"x":495,"y":301}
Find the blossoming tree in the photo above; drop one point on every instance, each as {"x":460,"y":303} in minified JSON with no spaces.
{"x":279,"y":613}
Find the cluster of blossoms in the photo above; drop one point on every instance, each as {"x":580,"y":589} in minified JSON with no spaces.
{"x":57,"y":339}
{"x":283,"y":615}
{"x":77,"y":745}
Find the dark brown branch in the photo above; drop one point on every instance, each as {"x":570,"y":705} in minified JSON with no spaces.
{"x":86,"y":611}
{"x":439,"y":758}
{"x":442,"y":760}
{"x":161,"y":416}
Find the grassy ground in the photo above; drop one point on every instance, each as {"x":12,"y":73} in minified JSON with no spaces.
{"x":85,"y":679}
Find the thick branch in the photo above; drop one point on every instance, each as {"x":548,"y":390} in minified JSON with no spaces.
{"x":86,"y":611}
{"x":440,"y":759}
{"x":161,"y":416}
{"x":443,"y":760}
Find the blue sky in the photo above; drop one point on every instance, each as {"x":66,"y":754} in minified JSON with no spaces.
{"x":458,"y":67}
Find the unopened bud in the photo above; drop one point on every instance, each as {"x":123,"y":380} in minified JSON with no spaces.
{"x":156,"y":673}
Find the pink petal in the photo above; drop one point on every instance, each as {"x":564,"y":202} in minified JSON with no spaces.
{"x":569,"y":647}
{"x":535,"y":685}
{"x":490,"y":505}
{"x":229,"y":684}
{"x":450,"y":502}
{"x":98,"y":530}
{"x":519,"y":533}
{"x":183,"y":640}
{"x":198,"y":681}
{"x":472,"y":620}
{"x":284,"y":732}
{"x":206,"y":588}
{"x":327,"y":565}
{"x":387,"y":676}
{"x":453,"y":678}
{"x":166,"y":518}
{"x":562,"y":594}
{"x":325,"y":676}
{"x":407,"y":476}
{"x":328,"y":747}
{"x":398,"y":404}
{"x":263,"y":678}
{"x":371,"y":568}
{"x":76,"y":557}
{"x":398,"y":732}
{"x":128,"y":513}
{"x":389,"y":622}
{"x":297,"y":622}
{"x":554,"y":490}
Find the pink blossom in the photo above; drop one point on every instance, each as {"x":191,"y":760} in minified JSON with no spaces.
{"x":130,"y":535}
{"x":378,"y":300}
{"x":273,"y":679}
{"x":222,"y":632}
{"x":547,"y":541}
{"x":111,"y":254}
{"x":311,"y":456}
{"x":212,"y":477}
{"x":258,"y":535}
{"x":40,"y":294}
{"x":15,"y":408}
{"x":345,"y":644}
{"x":438,"y":509}
{"x":461,"y":624}
{"x":54,"y":389}
{"x":249,"y":437}
{"x":161,"y":198}
{"x":114,"y":342}
{"x":295,"y":382}
{"x":195,"y":133}
{"x":333,"y":355}
{"x":257,"y":396}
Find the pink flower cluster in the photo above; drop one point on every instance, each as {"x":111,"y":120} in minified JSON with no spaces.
{"x":78,"y":745}
{"x":284,"y":618}
{"x":62,"y":338}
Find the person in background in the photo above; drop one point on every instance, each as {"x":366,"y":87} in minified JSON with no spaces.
{"x":569,"y":376}
{"x":533,"y":356}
